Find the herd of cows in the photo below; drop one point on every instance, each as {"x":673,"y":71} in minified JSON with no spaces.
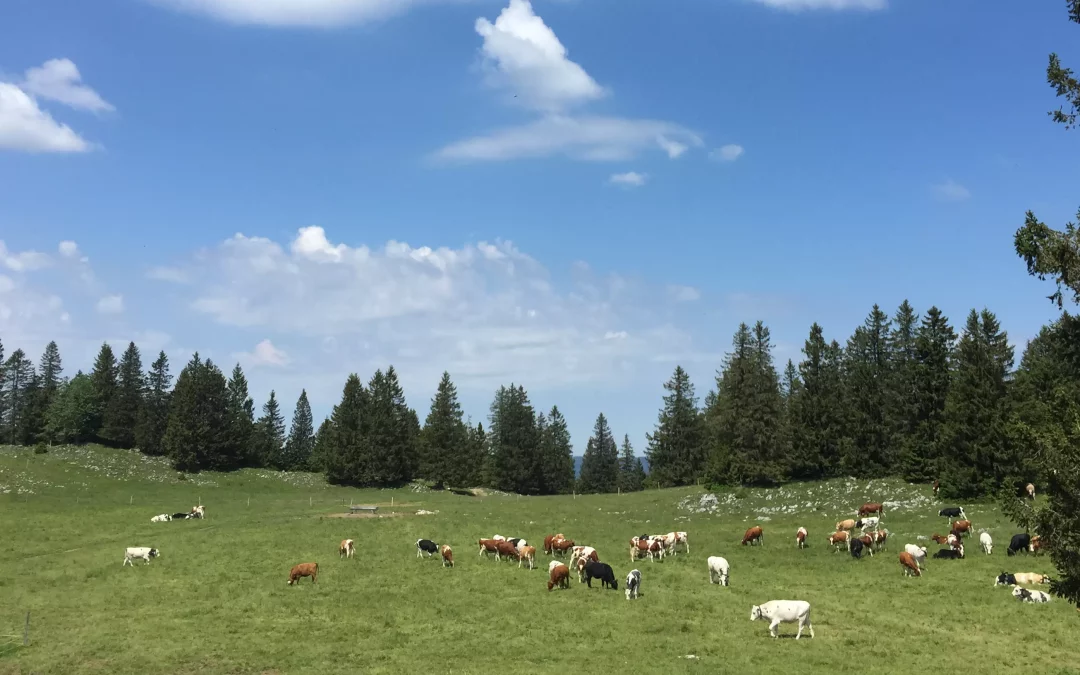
{"x":585,"y":560}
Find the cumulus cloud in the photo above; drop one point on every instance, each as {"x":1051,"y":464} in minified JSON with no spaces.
{"x":111,"y":304}
{"x":727,"y":153}
{"x":25,"y":126}
{"x":683,"y":293}
{"x":304,"y":13}
{"x":952,"y":191}
{"x":800,"y":5}
{"x":59,"y":80}
{"x":628,"y":179}
{"x":264,"y":354}
{"x":170,"y":274}
{"x":22,"y":261}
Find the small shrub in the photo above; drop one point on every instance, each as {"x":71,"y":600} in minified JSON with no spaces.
{"x":41,"y":449}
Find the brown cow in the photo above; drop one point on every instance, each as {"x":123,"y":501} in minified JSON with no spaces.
{"x":1036,"y":544}
{"x":800,"y":537}
{"x":561,"y":546}
{"x":754,"y":534}
{"x":560,"y":576}
{"x":1030,"y":491}
{"x":303,"y":570}
{"x":346,"y":548}
{"x":845,"y":525}
{"x":935,"y":487}
{"x":549,"y":539}
{"x":527,"y":555}
{"x":907,"y":564}
{"x":868,"y":543}
{"x":871,"y":507}
{"x":962,"y":526}
{"x":880,"y":538}
{"x":504,"y":549}
{"x":837,"y":538}
{"x":488,"y":546}
{"x":447,"y":555}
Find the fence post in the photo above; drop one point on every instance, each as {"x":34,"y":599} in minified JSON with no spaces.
{"x":131,"y":500}
{"x":309,"y":501}
{"x":26,"y":631}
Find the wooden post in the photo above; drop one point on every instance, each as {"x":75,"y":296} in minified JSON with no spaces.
{"x":249,"y":500}
{"x":391,"y":501}
{"x":26,"y":631}
{"x":309,"y":500}
{"x":131,"y":500}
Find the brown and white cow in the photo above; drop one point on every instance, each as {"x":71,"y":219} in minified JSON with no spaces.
{"x":504,"y":549}
{"x":845,"y":525}
{"x":800,"y":537}
{"x":549,"y":539}
{"x":346,"y":548}
{"x":1030,"y":489}
{"x":447,"y":555}
{"x":755,"y":533}
{"x":935,"y":487}
{"x":868,"y":543}
{"x":527,"y":554}
{"x":561,"y":546}
{"x":908,"y":565}
{"x":1036,"y":544}
{"x":488,"y":546}
{"x":838,"y":539}
{"x":871,"y":507}
{"x":880,"y":538}
{"x":559,"y":576}
{"x":303,"y":570}
{"x":962,"y":526}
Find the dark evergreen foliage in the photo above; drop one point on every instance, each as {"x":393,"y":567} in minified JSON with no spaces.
{"x":556,"y":455}
{"x":301,"y":442}
{"x":347,"y":453}
{"x":269,"y":434}
{"x":72,"y":413}
{"x":154,"y":415}
{"x":816,"y":410}
{"x":934,"y":345}
{"x":196,"y":437}
{"x":241,"y":421}
{"x":631,"y":472}
{"x":104,"y":379}
{"x":122,"y":413}
{"x":600,"y":464}
{"x":18,"y":391}
{"x":514,"y":441}
{"x":677,"y":446}
{"x":444,"y":441}
{"x":867,"y":364}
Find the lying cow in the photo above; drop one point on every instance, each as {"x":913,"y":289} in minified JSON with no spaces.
{"x":162,"y":518}
{"x":143,"y":552}
{"x":718,"y":570}
{"x":783,"y":611}
{"x":180,"y":516}
{"x":1019,"y":542}
{"x":559,"y":575}
{"x":1007,"y":579}
{"x":601,"y":571}
{"x":426,"y":546}
{"x":950,"y":553}
{"x":346,"y":549}
{"x":1024,"y":595}
{"x":303,"y":570}
{"x":633,"y":584}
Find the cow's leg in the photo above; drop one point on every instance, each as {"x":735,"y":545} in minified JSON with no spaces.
{"x":772,"y":628}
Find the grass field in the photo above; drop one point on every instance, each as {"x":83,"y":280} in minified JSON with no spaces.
{"x":216,"y":600}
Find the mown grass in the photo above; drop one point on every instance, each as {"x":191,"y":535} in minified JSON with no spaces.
{"x":216,"y":601}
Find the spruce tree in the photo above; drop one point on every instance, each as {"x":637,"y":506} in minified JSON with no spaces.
{"x":600,"y":465}
{"x":479,"y":452}
{"x":18,"y":393}
{"x":321,"y":447}
{"x":815,"y":411}
{"x":631,"y":472}
{"x":122,"y":413}
{"x":301,"y":441}
{"x":557,"y":455}
{"x":154,"y":416}
{"x":677,"y":446}
{"x":50,"y":373}
{"x":270,"y":434}
{"x":903,"y":361}
{"x":515,"y":442}
{"x":867,"y":376}
{"x":241,"y":421}
{"x":196,"y":437}
{"x":935,"y":341}
{"x":31,"y":427}
{"x":347,"y":455}
{"x":391,"y":436}
{"x":444,"y":440}
{"x":104,"y":379}
{"x":71,"y":415}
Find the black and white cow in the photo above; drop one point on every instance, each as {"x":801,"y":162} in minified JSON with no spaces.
{"x":1019,"y":542}
{"x":161,"y":518}
{"x":426,"y":546}
{"x":633,"y":584}
{"x":952,"y":512}
{"x":856,"y":548}
{"x":601,"y":571}
{"x":143,"y":552}
{"x":950,"y":553}
{"x":180,"y":516}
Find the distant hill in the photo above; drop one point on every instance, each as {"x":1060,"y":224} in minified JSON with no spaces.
{"x":577,"y":464}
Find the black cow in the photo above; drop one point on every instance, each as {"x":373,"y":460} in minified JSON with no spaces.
{"x":952,"y":512}
{"x":180,"y":516}
{"x":601,"y":571}
{"x":1005,"y":579}
{"x":426,"y":546}
{"x":949,"y":554}
{"x":1019,"y":542}
{"x":856,"y":548}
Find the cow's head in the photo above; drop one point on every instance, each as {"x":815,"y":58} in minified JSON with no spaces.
{"x":755,"y":613}
{"x":1005,"y":579}
{"x":154,"y":553}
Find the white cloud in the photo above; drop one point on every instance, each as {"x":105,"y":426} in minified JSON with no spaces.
{"x":306,"y":13}
{"x":68,"y":249}
{"x":24,"y":126}
{"x":23,"y":261}
{"x":523,"y":56}
{"x":799,"y":5}
{"x":727,"y":153}
{"x":683,"y":293}
{"x":59,"y":80}
{"x":586,"y":138}
{"x":111,"y":304}
{"x":950,"y":190}
{"x":616,"y":335}
{"x":264,"y":354}
{"x":673,"y":148}
{"x":170,"y":274}
{"x":628,"y":179}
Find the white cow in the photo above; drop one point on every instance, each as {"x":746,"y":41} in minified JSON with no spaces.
{"x":871,"y":522}
{"x":162,"y":518}
{"x":681,"y":538}
{"x":917,"y":552}
{"x":718,"y":570}
{"x":139,"y":552}
{"x":986,"y":542}
{"x":784,"y":611}
{"x":1024,"y":595}
{"x":633,"y":584}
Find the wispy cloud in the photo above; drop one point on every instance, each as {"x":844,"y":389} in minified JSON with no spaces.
{"x":683,"y":293}
{"x":26,"y":127}
{"x":628,"y":179}
{"x":952,"y":191}
{"x":727,"y":153}
{"x":59,"y":80}
{"x":111,"y":304}
{"x":264,"y":354}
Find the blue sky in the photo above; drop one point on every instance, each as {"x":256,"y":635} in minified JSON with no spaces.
{"x":574,"y":195}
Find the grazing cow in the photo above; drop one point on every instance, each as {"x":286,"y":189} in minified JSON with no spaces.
{"x":303,"y":570}
{"x":1030,"y":491}
{"x":346,"y":548}
{"x":1019,"y":542}
{"x":586,"y":552}
{"x":601,"y":571}
{"x":867,"y":543}
{"x":633,"y":584}
{"x":871,"y":507}
{"x":856,"y":548}
{"x":580,"y":567}
{"x":447,"y":555}
{"x":754,"y":534}
{"x":917,"y":553}
{"x":952,"y":512}
{"x":800,"y":537}
{"x":1024,"y":595}
{"x":487,"y":546}
{"x":549,"y":539}
{"x":962,"y":527}
{"x":950,"y":553}
{"x":498,"y":537}
{"x":908,"y":564}
{"x":718,"y":570}
{"x":682,"y":538}
{"x":986,"y":542}
{"x":846,"y":525}
{"x":865,"y":524}
{"x":935,"y":488}
{"x":527,"y":554}
{"x":1036,"y":544}
{"x":838,"y":538}
{"x":504,"y":549}
{"x":559,"y":575}
{"x":555,"y":563}
{"x":426,"y":546}
{"x":142,"y":552}
{"x":784,"y":611}
{"x":561,"y":546}
{"x":162,"y":518}
{"x":1008,"y":579}
{"x":880,"y":539}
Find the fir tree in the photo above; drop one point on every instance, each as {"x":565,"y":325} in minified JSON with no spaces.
{"x":935,"y":341}
{"x":515,"y":442}
{"x":347,"y":452}
{"x":196,"y":437}
{"x":31,"y":427}
{"x":557,"y":455}
{"x":867,"y":376}
{"x":321,"y":447}
{"x":478,"y":456}
{"x":676,"y":448}
{"x":904,"y":399}
{"x":301,"y":441}
{"x":815,"y":411}
{"x":18,"y":376}
{"x":154,"y":415}
{"x":444,"y":440}
{"x":104,"y":379}
{"x":241,"y":421}
{"x":122,"y":413}
{"x":391,"y":435}
{"x":50,"y":372}
{"x":631,"y":472}
{"x":71,"y":415}
{"x":600,"y":465}
{"x":270,"y":434}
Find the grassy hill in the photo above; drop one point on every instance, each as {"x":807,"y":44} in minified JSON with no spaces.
{"x":216,"y":601}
